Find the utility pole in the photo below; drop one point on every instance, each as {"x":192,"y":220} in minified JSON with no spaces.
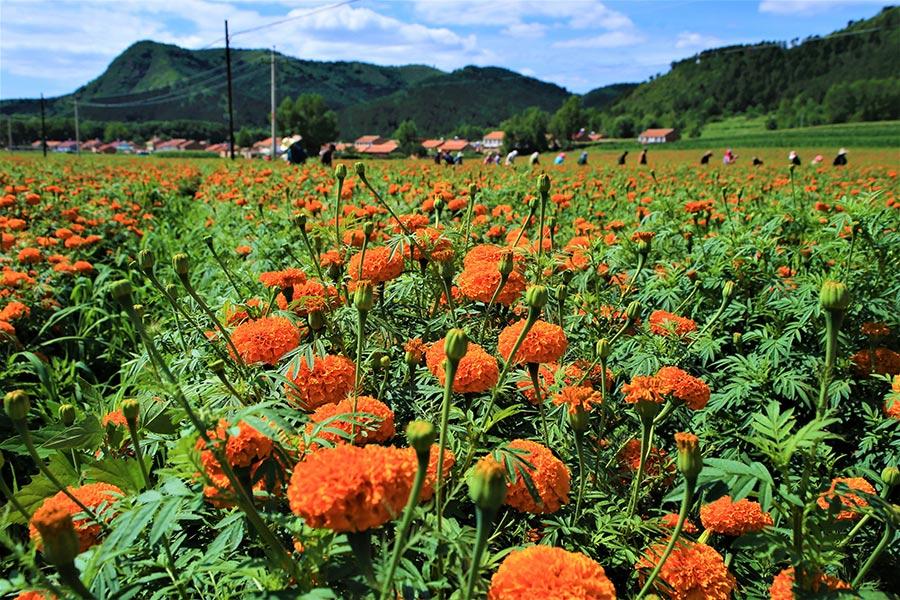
{"x":230,"y":101}
{"x":9,"y":133}
{"x":43,"y":128}
{"x":77,"y":132}
{"x":272,"y":113}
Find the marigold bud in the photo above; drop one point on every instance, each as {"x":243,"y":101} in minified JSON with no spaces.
{"x":603,"y":348}
{"x":506,"y":264}
{"x":689,"y":461}
{"x":728,"y":291}
{"x":421,"y":436}
{"x":121,"y":291}
{"x":360,"y":170}
{"x":340,"y":171}
{"x":456,"y":344}
{"x":438,"y":204}
{"x":384,"y":361}
{"x":364,"y":296}
{"x":58,"y":537}
{"x":736,"y":338}
{"x":891,"y":476}
{"x":145,"y":260}
{"x":834,"y":295}
{"x":544,"y":183}
{"x":181,"y":263}
{"x":633,"y":310}
{"x":579,"y":419}
{"x":17,"y":404}
{"x":487,"y":483}
{"x":536,"y":297}
{"x":2,"y":460}
{"x":368,"y":228}
{"x":66,"y":414}
{"x":131,"y":409}
{"x":217,"y":367}
{"x":300,"y":220}
{"x":473,"y":189}
{"x":316,"y":320}
{"x":172,"y":290}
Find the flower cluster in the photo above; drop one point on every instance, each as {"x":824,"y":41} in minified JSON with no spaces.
{"x":734,"y":518}
{"x":476,"y":372}
{"x":548,"y":474}
{"x":92,"y":495}
{"x":369,"y":429}
{"x":265,"y":340}
{"x":544,"y":342}
{"x":691,"y":572}
{"x":542,"y":572}
{"x":329,"y":380}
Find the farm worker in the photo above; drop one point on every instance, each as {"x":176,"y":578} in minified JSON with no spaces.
{"x":622,"y":157}
{"x":756,"y":161}
{"x":794,"y":158}
{"x":704,"y":160}
{"x":817,"y":160}
{"x":642,"y":158}
{"x":560,"y":158}
{"x":535,"y":158}
{"x":326,"y":154}
{"x":582,"y":160}
{"x":296,"y":154}
{"x":841,"y":159}
{"x":729,"y":157}
{"x":511,"y":157}
{"x":459,"y":157}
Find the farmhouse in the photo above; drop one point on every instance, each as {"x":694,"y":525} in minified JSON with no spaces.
{"x":492,"y":141}
{"x":368,"y":141}
{"x":456,"y":146}
{"x":383,"y":148}
{"x":658,"y":136}
{"x":432,"y":144}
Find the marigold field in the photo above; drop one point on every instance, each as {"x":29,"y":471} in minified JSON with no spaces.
{"x":401,"y":380}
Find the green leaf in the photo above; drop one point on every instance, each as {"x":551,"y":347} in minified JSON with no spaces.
{"x":40,"y":488}
{"x":86,"y":435}
{"x":125,"y":473}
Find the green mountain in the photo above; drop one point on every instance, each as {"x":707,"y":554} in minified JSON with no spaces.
{"x":852,"y":74}
{"x":602,"y":97}
{"x":477,"y":96}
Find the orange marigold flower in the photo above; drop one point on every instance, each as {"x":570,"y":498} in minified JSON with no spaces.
{"x":30,"y":256}
{"x":352,"y":488}
{"x":657,"y":459}
{"x":642,"y":236}
{"x":666,"y":323}
{"x":381,"y":264}
{"x":687,"y":388}
{"x":880,"y":360}
{"x":480,"y":281}
{"x":670,"y":520}
{"x":544,"y":342}
{"x":416,"y":350}
{"x":248,"y":449}
{"x":782,"y":587}
{"x":92,"y":495}
{"x":549,"y":475}
{"x":14,"y":310}
{"x":487,"y":253}
{"x":692,"y":571}
{"x":578,"y":398}
{"x":243,"y":250}
{"x":734,"y":518}
{"x":308,"y":297}
{"x":847,"y":499}
{"x":265,"y":340}
{"x":34,"y":595}
{"x":542,"y":572}
{"x":644,"y":388}
{"x":283,"y":279}
{"x":369,"y":430}
{"x":6,"y":330}
{"x":329,"y":380}
{"x":438,"y":248}
{"x":114,"y":418}
{"x":475,"y":373}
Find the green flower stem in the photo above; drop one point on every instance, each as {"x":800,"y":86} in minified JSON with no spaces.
{"x":449,"y":376}
{"x":640,"y":266}
{"x":533,"y":371}
{"x":713,"y":320}
{"x":313,"y":255}
{"x":582,"y":474}
{"x":185,"y":280}
{"x":21,"y":427}
{"x":361,"y":544}
{"x":337,"y":212}
{"x":682,"y":516}
{"x":387,"y":585}
{"x":69,"y":575}
{"x":832,"y":325}
{"x":487,"y":311}
{"x":531,"y":210}
{"x":873,"y":558}
{"x":360,"y":340}
{"x":483,"y":518}
{"x":13,"y":500}
{"x":469,"y":209}
{"x":224,"y":268}
{"x":885,"y":492}
{"x":646,"y":437}
{"x":540,"y":251}
{"x":272,"y":545}
{"x":666,"y":411}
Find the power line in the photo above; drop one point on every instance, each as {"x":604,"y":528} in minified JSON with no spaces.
{"x":171,"y":98}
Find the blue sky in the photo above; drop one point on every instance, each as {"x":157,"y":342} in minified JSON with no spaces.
{"x":53,"y":46}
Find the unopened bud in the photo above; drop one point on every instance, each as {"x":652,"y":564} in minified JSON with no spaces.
{"x":456,"y":344}
{"x":368,"y":228}
{"x":487,"y":484}
{"x":603,"y":348}
{"x":145,"y":260}
{"x":421,"y":436}
{"x":544,"y":183}
{"x":506,"y":264}
{"x":316,"y":320}
{"x":728,"y":291}
{"x":536,"y":297}
{"x":689,"y":461}
{"x":121,"y":291}
{"x":834,"y":295}
{"x":58,"y":538}
{"x":300,"y":220}
{"x":340,"y":171}
{"x":360,"y":170}
{"x":891,"y":476}
{"x":217,"y":367}
{"x":438,"y":204}
{"x":364,"y":296}
{"x":579,"y":419}
{"x":172,"y":290}
{"x":181,"y":263}
{"x":736,"y":338}
{"x":131,"y":409}
{"x":17,"y":404}
{"x":473,"y":189}
{"x":66,"y":414}
{"x":633,"y":310}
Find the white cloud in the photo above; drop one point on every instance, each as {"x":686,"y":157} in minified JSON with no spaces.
{"x":613,"y":39}
{"x":578,"y":14}
{"x":691,"y":40}
{"x":525,"y":30}
{"x":807,"y":7}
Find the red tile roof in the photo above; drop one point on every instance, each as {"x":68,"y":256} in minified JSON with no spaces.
{"x":495,"y":135}
{"x":368,"y":139}
{"x":384,"y":148}
{"x":455,"y":145}
{"x":429,"y":144}
{"x":657,"y":132}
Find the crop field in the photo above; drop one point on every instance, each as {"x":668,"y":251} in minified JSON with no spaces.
{"x":393,"y":379}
